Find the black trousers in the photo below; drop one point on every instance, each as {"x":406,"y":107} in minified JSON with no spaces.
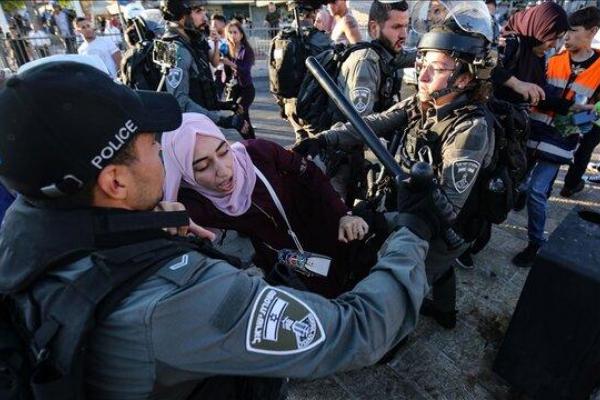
{"x":244,"y":95}
{"x":582,"y":157}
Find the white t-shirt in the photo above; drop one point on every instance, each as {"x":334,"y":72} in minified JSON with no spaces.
{"x":596,"y":41}
{"x":113,"y":33}
{"x":104,"y":48}
{"x":39,"y":39}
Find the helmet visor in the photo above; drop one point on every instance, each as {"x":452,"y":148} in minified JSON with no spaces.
{"x":470,"y":16}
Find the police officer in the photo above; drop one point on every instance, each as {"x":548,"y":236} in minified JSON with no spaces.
{"x":446,"y":125}
{"x":371,"y":78}
{"x":190,"y":80}
{"x":317,"y":42}
{"x":196,"y":316}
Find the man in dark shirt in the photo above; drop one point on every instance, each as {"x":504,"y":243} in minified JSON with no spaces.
{"x":272,"y":20}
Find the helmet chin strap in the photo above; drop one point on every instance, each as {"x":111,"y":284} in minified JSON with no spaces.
{"x":450,"y":87}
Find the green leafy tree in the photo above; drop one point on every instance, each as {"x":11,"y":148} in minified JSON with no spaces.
{"x":10,"y":6}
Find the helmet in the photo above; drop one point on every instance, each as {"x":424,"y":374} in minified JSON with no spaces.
{"x":306,"y":5}
{"x":464,"y":29}
{"x":174,"y":10}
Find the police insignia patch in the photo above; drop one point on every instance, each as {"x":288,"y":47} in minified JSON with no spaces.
{"x":174,"y":77}
{"x":360,"y":98}
{"x":464,"y":173}
{"x":282,"y":324}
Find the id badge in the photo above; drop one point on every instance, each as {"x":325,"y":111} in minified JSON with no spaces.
{"x":318,"y":264}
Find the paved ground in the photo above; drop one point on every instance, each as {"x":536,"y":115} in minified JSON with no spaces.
{"x":439,"y":364}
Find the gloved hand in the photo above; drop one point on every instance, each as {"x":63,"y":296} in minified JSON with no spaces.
{"x":310,"y":146}
{"x":417,"y":211}
{"x":234,"y":121}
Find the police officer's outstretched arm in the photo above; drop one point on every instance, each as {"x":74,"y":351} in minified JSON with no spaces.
{"x":466,"y":150}
{"x":385,"y":125}
{"x":224,"y":321}
{"x":178,"y":84}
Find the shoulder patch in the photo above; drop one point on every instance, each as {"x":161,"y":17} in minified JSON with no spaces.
{"x":174,"y":77}
{"x":464,"y":173}
{"x":282,"y":324}
{"x":360,"y":97}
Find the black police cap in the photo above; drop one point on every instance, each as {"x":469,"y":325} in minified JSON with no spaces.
{"x":62,"y":122}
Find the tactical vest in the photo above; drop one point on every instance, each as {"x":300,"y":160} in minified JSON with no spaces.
{"x":52,"y":317}
{"x":390,"y":83}
{"x":420,"y":144}
{"x":203,"y":89}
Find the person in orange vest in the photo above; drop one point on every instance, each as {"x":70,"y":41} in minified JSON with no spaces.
{"x":558,"y":126}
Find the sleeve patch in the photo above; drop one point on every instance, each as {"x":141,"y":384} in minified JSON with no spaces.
{"x":175,"y":77}
{"x":282,"y":324}
{"x":464,"y":173}
{"x":360,"y":97}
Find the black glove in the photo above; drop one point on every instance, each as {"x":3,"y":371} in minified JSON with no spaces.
{"x":418,"y":211}
{"x":234,"y":121}
{"x":310,"y":146}
{"x":375,"y":219}
{"x":227,"y":105}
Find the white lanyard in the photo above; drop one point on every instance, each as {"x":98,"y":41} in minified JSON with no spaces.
{"x":280,"y":208}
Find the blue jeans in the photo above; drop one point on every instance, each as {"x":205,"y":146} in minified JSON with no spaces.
{"x":6,"y":200}
{"x":541,"y":179}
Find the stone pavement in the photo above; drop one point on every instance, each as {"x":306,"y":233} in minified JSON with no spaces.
{"x":435,"y":363}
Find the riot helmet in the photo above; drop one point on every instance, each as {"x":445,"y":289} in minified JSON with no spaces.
{"x":463,"y":30}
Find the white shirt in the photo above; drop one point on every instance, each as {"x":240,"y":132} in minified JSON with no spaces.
{"x":337,"y":32}
{"x":596,"y":41}
{"x":39,"y":39}
{"x":113,"y":33}
{"x":104,"y":48}
{"x":62,"y":21}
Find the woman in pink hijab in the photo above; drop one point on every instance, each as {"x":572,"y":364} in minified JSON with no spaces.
{"x":222,"y":186}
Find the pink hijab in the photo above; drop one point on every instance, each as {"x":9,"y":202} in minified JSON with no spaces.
{"x":178,"y":155}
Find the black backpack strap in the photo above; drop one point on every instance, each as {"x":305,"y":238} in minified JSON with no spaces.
{"x":106,"y":272}
{"x":108,"y":279}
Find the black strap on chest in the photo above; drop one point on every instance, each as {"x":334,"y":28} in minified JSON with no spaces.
{"x":109,"y":276}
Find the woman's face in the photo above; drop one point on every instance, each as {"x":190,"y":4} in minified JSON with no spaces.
{"x":234,"y":34}
{"x":213,"y":164}
{"x":541,"y":49}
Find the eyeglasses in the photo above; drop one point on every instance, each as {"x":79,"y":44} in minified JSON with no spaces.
{"x":422,"y":64}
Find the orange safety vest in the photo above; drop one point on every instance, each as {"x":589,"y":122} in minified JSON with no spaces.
{"x":558,"y":74}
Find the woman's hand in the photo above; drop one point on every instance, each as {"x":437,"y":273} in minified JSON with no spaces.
{"x":192,"y":228}
{"x":352,"y":228}
{"x":530,"y":91}
{"x":230,"y":64}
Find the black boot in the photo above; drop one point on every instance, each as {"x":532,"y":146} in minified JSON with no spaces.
{"x":568,"y":192}
{"x":526,"y":257}
{"x":447,"y":319}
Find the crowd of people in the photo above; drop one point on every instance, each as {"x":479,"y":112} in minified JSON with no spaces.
{"x":109,"y":252}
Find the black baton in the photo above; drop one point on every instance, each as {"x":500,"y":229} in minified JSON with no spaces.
{"x":452,"y":239}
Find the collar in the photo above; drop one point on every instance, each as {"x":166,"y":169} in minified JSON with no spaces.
{"x":447,"y":109}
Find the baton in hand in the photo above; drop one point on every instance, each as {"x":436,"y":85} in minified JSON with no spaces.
{"x":452,"y":239}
